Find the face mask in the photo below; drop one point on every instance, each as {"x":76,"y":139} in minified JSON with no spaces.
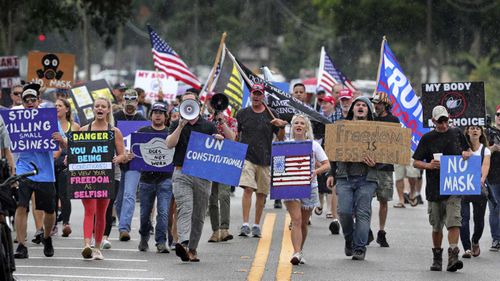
{"x":155,"y":152}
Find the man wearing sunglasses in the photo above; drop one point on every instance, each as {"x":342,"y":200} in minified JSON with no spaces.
{"x":442,"y":210}
{"x":125,"y":199}
{"x":15,"y":95}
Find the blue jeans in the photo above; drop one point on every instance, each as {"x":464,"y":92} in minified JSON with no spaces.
{"x":162,"y":191}
{"x":479,"y":209}
{"x":355,"y":198}
{"x":495,"y":213}
{"x":125,"y":205}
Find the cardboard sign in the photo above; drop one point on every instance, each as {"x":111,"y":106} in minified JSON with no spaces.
{"x":31,"y":130}
{"x":90,"y":166}
{"x":129,"y":127}
{"x":385,"y":142}
{"x":150,"y":81}
{"x":291,"y":170}
{"x":213,"y":160}
{"x":9,"y":71}
{"x":151,"y":153}
{"x":463,"y":100}
{"x":459,"y":176}
{"x":51,"y":70}
{"x":83,"y":96}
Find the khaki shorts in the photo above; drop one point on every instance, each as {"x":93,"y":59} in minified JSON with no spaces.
{"x":385,"y":187}
{"x":403,"y":171}
{"x":256,"y":177}
{"x":446,"y":212}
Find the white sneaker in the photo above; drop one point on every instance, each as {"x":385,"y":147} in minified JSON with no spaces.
{"x":296,"y":258}
{"x":92,"y":243}
{"x":105,"y":244}
{"x":302,"y":260}
{"x":97,"y":255}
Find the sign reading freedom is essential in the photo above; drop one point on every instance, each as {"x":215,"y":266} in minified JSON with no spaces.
{"x":291,"y":170}
{"x":350,"y":141}
{"x":31,"y":130}
{"x":459,"y":176}
{"x":214,"y":160}
{"x":463,"y":100}
{"x":151,"y":153}
{"x":90,"y":164}
{"x":51,"y":70}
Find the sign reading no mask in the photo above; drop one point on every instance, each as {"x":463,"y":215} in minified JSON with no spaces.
{"x":51,"y":70}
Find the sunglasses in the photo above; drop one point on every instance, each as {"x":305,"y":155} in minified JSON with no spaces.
{"x":30,"y":100}
{"x":498,"y":114}
{"x":442,"y":120}
{"x":17,"y":93}
{"x":130,"y":98}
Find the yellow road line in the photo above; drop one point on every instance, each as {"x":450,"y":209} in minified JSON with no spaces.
{"x":284,"y":271}
{"x":262,"y":252}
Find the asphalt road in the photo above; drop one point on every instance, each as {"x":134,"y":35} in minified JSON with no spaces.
{"x":408,"y":257}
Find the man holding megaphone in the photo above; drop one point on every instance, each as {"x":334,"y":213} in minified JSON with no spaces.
{"x":191,"y":193}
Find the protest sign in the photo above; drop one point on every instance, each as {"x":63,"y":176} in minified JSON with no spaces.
{"x":463,"y":100}
{"x":129,"y":127}
{"x":459,"y":176}
{"x":31,"y":130}
{"x":151,"y":153}
{"x":83,"y":96}
{"x":90,"y":166}
{"x":150,"y":82}
{"x":9,"y":71}
{"x":213,"y":160}
{"x":51,"y":70}
{"x":350,"y":141}
{"x":291,"y":170}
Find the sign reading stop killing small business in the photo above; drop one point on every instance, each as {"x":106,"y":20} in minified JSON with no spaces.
{"x":459,"y":176}
{"x":90,"y":164}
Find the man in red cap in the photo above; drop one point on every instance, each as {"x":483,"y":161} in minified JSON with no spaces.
{"x":256,"y":126}
{"x":345,"y":101}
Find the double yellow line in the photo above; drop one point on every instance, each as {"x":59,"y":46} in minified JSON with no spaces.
{"x":284,"y":270}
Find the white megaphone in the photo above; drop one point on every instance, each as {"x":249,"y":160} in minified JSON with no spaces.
{"x":189,"y":109}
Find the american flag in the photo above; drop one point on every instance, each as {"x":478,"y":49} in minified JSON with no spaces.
{"x":168,"y":61}
{"x":291,"y":170}
{"x":329,"y":75}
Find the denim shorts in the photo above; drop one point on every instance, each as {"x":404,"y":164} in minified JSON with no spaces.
{"x":311,"y":202}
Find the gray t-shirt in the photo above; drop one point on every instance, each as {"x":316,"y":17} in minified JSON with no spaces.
{"x":4,"y":137}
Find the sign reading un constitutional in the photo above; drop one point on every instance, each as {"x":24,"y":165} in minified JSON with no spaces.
{"x":31,"y":130}
{"x":459,"y":176}
{"x":90,"y":164}
{"x":214,"y":160}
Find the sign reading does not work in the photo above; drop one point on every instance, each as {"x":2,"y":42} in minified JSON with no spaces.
{"x":350,"y":141}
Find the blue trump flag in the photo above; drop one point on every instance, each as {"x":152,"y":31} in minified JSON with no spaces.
{"x":291,"y":170}
{"x":406,"y":104}
{"x":459,"y":176}
{"x":213,"y":160}
{"x":151,"y":153}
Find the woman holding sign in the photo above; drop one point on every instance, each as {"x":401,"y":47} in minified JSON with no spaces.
{"x":97,"y":207}
{"x":66,"y":125}
{"x":300,"y":209}
{"x":479,"y":145}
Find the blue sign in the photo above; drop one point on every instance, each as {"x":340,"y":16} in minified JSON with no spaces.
{"x":291,"y":170}
{"x":129,"y":127}
{"x":213,"y":160}
{"x":31,"y":130}
{"x":151,"y":153}
{"x":406,"y":104}
{"x":459,"y":176}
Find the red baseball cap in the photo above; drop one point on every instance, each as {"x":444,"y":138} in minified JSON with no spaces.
{"x":257,"y":88}
{"x":345,"y":94}
{"x":328,"y":99}
{"x":498,"y":107}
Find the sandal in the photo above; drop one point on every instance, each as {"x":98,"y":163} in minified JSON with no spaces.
{"x":413,"y":202}
{"x":399,"y":205}
{"x":329,"y":216}
{"x":318,"y":211}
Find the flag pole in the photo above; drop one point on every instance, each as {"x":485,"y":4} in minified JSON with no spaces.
{"x":384,"y":39}
{"x":242,"y":73}
{"x":208,"y":85}
{"x":159,"y":95}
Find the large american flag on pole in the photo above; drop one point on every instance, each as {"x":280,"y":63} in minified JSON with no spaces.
{"x":329,"y":75}
{"x":168,"y":61}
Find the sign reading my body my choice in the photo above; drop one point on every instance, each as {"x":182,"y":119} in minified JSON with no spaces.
{"x":459,"y":176}
{"x":91,"y":171}
{"x":31,"y":130}
{"x":213,"y":160}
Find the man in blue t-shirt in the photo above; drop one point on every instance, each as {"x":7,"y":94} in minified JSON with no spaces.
{"x":41,"y":184}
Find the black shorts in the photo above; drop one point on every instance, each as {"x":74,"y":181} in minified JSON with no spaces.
{"x":45,"y":195}
{"x":322,"y":188}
